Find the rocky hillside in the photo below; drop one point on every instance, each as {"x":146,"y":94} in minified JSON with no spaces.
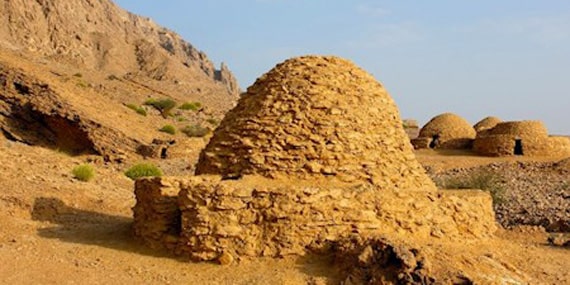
{"x":75,"y":74}
{"x":529,"y":193}
{"x":97,"y":34}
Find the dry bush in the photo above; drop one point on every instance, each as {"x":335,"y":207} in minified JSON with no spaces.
{"x":143,"y":170}
{"x":139,"y":109}
{"x":194,"y":106}
{"x":195,"y":131}
{"x":164,"y":106}
{"x":478,"y":179}
{"x":83,"y":172}
{"x":169,"y":129}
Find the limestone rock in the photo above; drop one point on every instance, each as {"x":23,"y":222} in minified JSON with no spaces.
{"x":100,"y":35}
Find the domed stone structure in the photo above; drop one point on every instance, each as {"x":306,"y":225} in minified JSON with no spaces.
{"x":486,"y":124}
{"x":315,"y":116}
{"x":315,"y":151}
{"x":528,"y":138}
{"x":446,"y":131}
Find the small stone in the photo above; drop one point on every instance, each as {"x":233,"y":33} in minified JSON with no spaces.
{"x":335,"y":111}
{"x":225,"y":258}
{"x":313,"y":167}
{"x":328,"y":171}
{"x":436,"y":232}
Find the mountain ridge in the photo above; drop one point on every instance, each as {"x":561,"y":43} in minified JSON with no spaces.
{"x":100,"y":35}
{"x":72,"y":71}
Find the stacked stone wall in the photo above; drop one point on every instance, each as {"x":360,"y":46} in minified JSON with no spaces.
{"x":255,"y":216}
{"x":501,"y":140}
{"x":452,"y":132}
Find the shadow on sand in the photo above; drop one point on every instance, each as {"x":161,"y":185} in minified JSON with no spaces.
{"x":91,"y":228}
{"x":79,"y":226}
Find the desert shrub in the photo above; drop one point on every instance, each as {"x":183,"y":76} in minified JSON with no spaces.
{"x":169,"y":129}
{"x":195,"y":131}
{"x":79,"y":75}
{"x":139,"y":109}
{"x":164,"y":106}
{"x":212,"y":121}
{"x":83,"y":172}
{"x":82,"y":84}
{"x":112,"y":77}
{"x":181,"y":119}
{"x":194,"y":106}
{"x":478,"y":179}
{"x":143,"y":170}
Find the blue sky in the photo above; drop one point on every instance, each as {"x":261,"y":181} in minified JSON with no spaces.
{"x":508,"y":58}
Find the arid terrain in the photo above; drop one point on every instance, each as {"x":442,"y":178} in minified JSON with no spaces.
{"x":57,"y":230}
{"x":69,"y":96}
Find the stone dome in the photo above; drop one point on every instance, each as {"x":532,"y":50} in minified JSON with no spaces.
{"x":529,"y":138}
{"x":528,"y":129}
{"x":448,"y":131}
{"x":313,"y":117}
{"x":486,"y":124}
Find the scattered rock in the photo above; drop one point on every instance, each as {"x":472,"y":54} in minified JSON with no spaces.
{"x":225,"y":258}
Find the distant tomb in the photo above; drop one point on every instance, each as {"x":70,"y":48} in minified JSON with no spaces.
{"x":445,"y":131}
{"x":528,"y":138}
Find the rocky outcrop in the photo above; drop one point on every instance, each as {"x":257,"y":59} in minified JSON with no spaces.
{"x":31,"y":111}
{"x":225,"y":76}
{"x":534,"y":193}
{"x":99,"y":35}
{"x":70,"y":69}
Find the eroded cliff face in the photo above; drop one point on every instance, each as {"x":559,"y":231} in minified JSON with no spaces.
{"x":99,"y":35}
{"x":35,"y":112}
{"x":69,"y":69}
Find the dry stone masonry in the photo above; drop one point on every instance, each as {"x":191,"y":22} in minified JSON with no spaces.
{"x":446,"y":131}
{"x":528,"y":138}
{"x":314,"y":152}
{"x":315,"y":116}
{"x":486,"y":124}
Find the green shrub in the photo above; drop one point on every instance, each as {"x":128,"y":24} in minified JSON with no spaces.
{"x":181,"y":119}
{"x":195,"y":131}
{"x":213,"y":121}
{"x":83,"y":172}
{"x":143,"y":170}
{"x":194,"y":106}
{"x":82,"y":84}
{"x":478,"y":179}
{"x":169,"y":129}
{"x":79,"y":75}
{"x":139,"y":109}
{"x":164,"y":106}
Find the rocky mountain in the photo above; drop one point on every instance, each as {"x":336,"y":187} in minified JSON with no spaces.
{"x":75,"y":74}
{"x":97,"y":34}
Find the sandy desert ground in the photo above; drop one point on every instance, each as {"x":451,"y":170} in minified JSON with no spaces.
{"x":57,"y":230}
